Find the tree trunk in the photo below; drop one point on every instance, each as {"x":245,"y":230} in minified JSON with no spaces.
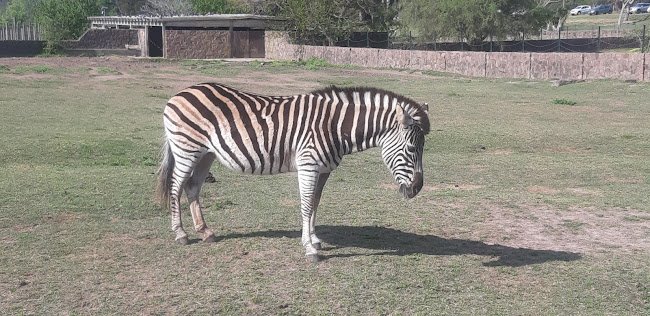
{"x":624,"y":10}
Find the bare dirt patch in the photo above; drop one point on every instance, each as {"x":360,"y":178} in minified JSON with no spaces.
{"x":577,"y":230}
{"x":499,"y":152}
{"x":542,"y":189}
{"x":583,"y":191}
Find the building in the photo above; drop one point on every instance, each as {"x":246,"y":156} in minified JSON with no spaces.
{"x":199,"y":37}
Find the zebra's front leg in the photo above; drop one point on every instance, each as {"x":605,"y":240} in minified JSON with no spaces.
{"x":307,"y":182}
{"x":315,"y":241}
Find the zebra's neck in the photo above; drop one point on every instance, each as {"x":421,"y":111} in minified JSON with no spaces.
{"x":367,"y":117}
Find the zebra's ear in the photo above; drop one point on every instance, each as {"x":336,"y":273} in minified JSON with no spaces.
{"x":403,"y":117}
{"x":425,"y":106}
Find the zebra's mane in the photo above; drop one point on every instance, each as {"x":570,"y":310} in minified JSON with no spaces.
{"x":414,"y":109}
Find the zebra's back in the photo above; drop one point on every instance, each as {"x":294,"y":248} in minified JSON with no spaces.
{"x":247,"y":132}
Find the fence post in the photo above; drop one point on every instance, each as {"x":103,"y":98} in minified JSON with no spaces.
{"x":523,"y":40}
{"x":598,"y":41}
{"x":367,"y":40}
{"x":643,"y":40}
{"x":435,"y":42}
{"x":410,"y":41}
{"x":388,"y":39}
{"x":559,"y":35}
{"x":491,"y":43}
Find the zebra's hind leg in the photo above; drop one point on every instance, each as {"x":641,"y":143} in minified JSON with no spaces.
{"x":180,"y":174}
{"x":315,"y":241}
{"x":193,"y":189}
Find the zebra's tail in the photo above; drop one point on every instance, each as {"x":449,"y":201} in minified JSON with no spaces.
{"x":164,"y":176}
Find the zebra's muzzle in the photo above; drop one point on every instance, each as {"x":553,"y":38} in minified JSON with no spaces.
{"x":415,"y":187}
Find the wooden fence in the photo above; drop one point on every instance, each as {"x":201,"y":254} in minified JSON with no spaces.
{"x":20,"y":32}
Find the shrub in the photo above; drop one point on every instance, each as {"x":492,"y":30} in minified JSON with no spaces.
{"x":64,"y":19}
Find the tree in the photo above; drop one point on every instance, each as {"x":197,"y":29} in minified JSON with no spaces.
{"x":624,"y":11}
{"x":167,"y":7}
{"x":559,"y":11}
{"x":129,"y":7}
{"x":64,"y":19}
{"x":472,"y":20}
{"x":327,"y":21}
{"x":219,"y":6}
{"x":21,"y":11}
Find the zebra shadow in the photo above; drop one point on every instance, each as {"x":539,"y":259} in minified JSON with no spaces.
{"x":393,"y":242}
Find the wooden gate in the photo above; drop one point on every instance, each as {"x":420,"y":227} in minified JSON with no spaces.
{"x":248,"y":44}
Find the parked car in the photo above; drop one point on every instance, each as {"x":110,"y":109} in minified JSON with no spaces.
{"x":601,"y":9}
{"x":581,"y":9}
{"x":639,"y":8}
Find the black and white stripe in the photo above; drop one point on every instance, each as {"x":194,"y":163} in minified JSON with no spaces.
{"x":308,"y":134}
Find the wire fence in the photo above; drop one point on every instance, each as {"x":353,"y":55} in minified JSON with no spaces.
{"x":596,"y":40}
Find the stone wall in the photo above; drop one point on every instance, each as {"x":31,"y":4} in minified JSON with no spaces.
{"x":570,"y":66}
{"x":646,"y":67}
{"x":106,"y":41}
{"x":556,"y":65}
{"x":197,"y":44}
{"x":626,"y":66}
{"x":584,"y":34}
{"x":508,"y":65}
{"x":21,"y":48}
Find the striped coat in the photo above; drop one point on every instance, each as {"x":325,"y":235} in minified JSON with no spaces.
{"x":308,"y":134}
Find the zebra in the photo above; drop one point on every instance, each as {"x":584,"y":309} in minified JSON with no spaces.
{"x":308,"y":134}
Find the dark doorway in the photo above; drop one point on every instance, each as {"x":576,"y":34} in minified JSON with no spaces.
{"x":155,"y":41}
{"x":240,"y":48}
{"x":256,"y":44}
{"x":248,"y":44}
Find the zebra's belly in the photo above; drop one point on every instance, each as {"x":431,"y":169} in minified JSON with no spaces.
{"x":252,"y":162}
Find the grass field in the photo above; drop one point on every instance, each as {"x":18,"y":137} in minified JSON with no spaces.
{"x":536,"y":200}
{"x":606,"y":22}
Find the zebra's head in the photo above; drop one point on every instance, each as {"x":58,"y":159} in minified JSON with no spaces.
{"x":402,"y":153}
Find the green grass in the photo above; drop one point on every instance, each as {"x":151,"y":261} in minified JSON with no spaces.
{"x":606,"y":22}
{"x":106,"y":71}
{"x":564,"y":102}
{"x":36,"y":69}
{"x":528,"y":207}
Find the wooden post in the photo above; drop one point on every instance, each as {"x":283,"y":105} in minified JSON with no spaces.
{"x":598,"y":42}
{"x":231,"y":29}
{"x":643,"y":40}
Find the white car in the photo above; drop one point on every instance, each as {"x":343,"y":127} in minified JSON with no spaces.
{"x":581,"y":9}
{"x":639,"y":8}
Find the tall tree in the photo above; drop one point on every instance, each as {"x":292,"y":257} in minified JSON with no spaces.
{"x":327,"y":21}
{"x":471,"y":20}
{"x":625,"y":11}
{"x":219,"y":6}
{"x":21,"y":11}
{"x":129,"y":7}
{"x":167,"y":7}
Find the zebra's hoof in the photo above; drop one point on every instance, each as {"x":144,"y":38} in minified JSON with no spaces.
{"x":183,"y":241}
{"x":317,"y":246}
{"x":312,"y":257}
{"x":210,"y":239}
